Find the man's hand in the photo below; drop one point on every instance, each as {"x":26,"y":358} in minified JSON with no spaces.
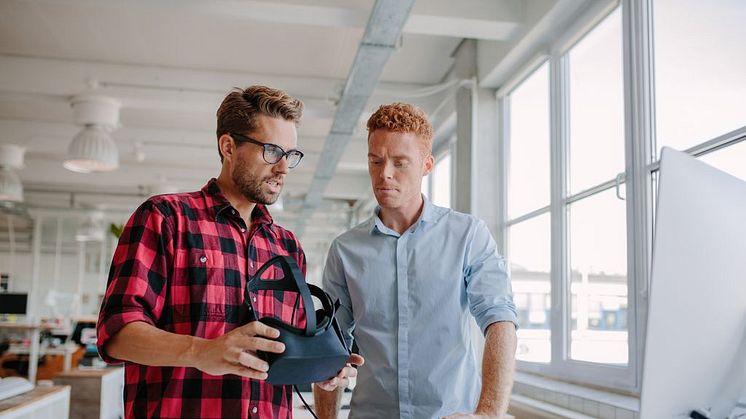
{"x":343,"y":378}
{"x":235,"y":351}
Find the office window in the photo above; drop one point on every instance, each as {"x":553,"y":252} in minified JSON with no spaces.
{"x":598,"y":279}
{"x":693,"y":100}
{"x":528,"y":145}
{"x":528,"y":235}
{"x":565,"y":229}
{"x":530,"y":270}
{"x":699,"y":70}
{"x":596,"y":95}
{"x":597,"y":223}
{"x":441,"y":181}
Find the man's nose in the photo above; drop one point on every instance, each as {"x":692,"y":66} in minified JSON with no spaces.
{"x":281,"y":166}
{"x":387,"y":171}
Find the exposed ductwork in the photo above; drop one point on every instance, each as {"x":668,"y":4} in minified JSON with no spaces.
{"x":384,"y":29}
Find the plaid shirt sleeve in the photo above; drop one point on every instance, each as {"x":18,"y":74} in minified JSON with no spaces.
{"x":136,"y":286}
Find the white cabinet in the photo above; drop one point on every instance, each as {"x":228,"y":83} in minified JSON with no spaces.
{"x":95,"y":393}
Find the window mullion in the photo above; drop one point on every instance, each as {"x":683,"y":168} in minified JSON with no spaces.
{"x":639,"y":146}
{"x":559,"y":106}
{"x":503,"y":109}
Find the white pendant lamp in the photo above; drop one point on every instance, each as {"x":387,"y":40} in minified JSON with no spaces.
{"x":93,"y":149}
{"x":11,"y":158}
{"x":92,"y":228}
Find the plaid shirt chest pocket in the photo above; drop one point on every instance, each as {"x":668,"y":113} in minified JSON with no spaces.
{"x":207,"y":290}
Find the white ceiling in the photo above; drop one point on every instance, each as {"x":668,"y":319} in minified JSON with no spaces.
{"x":171,"y":62}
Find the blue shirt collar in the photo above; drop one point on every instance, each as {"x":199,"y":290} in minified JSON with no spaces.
{"x":427,"y":215}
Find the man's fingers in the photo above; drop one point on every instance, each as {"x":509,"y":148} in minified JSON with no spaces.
{"x":248,"y":373}
{"x":259,"y":344}
{"x":254,"y":343}
{"x":356,"y":360}
{"x":250,"y":361}
{"x":256,"y":328}
{"x":347,"y":372}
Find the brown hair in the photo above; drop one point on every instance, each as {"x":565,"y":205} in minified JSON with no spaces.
{"x":240,"y":108}
{"x":403,"y":117}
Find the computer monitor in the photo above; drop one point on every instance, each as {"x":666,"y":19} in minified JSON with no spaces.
{"x":13,"y":303}
{"x":82,"y":332}
{"x":695,"y":349}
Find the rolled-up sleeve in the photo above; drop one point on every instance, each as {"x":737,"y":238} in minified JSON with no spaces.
{"x":487,"y":282}
{"x":335,"y":284}
{"x":137,"y":283}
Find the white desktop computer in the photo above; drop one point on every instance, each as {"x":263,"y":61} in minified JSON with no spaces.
{"x":695,"y":348}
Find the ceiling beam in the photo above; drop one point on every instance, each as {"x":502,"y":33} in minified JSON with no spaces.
{"x":545,"y":23}
{"x":52,"y":76}
{"x":497,"y":20}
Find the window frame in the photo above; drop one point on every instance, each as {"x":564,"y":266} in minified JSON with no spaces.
{"x":639,"y":178}
{"x":446,"y":148}
{"x":561,"y":365}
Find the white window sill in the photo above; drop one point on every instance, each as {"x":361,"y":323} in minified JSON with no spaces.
{"x":588,"y":401}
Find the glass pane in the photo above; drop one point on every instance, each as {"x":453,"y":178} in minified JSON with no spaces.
{"x":598,"y":283}
{"x":730,"y":159}
{"x":528,"y":163}
{"x":597,"y":106}
{"x":530,"y":267}
{"x":699,"y":70}
{"x":441,"y":178}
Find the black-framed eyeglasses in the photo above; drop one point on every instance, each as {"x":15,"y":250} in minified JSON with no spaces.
{"x":272,"y":153}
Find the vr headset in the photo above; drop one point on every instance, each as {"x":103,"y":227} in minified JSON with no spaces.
{"x":313,"y":354}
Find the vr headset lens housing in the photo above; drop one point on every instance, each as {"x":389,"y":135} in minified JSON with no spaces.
{"x":312,"y":354}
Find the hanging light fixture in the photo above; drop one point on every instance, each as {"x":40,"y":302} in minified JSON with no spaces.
{"x":11,"y":158}
{"x":10,"y":186}
{"x":93,"y":149}
{"x":92,"y":229}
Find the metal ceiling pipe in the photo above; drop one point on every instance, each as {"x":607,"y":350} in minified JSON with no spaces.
{"x":382,"y":33}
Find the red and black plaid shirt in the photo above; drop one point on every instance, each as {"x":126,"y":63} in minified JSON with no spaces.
{"x":181,"y":265}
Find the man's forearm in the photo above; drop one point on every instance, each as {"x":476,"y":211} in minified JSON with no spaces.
{"x":327,"y":402}
{"x":141,"y":343}
{"x":497,"y":369}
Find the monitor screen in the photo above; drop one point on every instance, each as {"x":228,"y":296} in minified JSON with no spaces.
{"x":695,"y":349}
{"x":82,"y":332}
{"x":13,"y":303}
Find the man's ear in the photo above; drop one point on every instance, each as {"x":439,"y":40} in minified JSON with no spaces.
{"x":428,"y":165}
{"x":227,"y":146}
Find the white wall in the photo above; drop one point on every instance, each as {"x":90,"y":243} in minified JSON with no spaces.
{"x":93,"y":285}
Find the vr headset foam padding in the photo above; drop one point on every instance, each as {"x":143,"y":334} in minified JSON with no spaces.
{"x":312,"y":354}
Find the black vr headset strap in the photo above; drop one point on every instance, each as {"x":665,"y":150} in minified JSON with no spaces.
{"x":329,"y":308}
{"x":291,"y":275}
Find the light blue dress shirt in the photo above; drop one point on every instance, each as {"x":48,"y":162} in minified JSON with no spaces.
{"x":405,"y":300}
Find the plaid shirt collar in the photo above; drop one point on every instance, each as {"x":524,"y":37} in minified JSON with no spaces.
{"x":218,"y":203}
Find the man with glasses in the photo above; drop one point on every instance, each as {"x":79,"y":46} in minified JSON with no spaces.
{"x":174,"y":307}
{"x":407,"y":279}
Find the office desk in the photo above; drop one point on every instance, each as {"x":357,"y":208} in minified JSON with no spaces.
{"x":39,"y":403}
{"x":33,"y":351}
{"x":66,"y":351}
